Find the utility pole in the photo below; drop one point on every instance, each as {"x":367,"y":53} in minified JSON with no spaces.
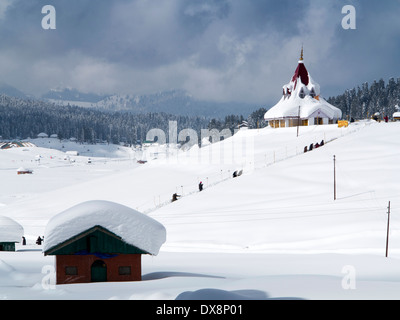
{"x":387,"y":231}
{"x":334,"y":177}
{"x":298,"y":122}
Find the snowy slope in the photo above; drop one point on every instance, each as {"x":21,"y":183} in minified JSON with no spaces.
{"x":275,"y":224}
{"x":289,"y":206}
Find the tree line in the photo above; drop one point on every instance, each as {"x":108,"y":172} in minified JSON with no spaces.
{"x":24,"y":118}
{"x":364,"y":101}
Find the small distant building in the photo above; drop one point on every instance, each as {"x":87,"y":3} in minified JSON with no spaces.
{"x":42,"y":135}
{"x":396,"y":116}
{"x":11,"y":232}
{"x":24,"y":171}
{"x":301,"y":103}
{"x":244,"y":125}
{"x":72,"y":153}
{"x":98,"y":241}
{"x":149,"y":143}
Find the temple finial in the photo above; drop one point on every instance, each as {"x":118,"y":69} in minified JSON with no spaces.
{"x":301,"y":56}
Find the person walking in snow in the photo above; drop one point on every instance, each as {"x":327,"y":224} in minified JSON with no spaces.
{"x":39,"y":241}
{"x":175,"y":197}
{"x":201,"y":186}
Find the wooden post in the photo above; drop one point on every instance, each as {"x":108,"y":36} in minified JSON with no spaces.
{"x":387,"y":231}
{"x":334,"y":177}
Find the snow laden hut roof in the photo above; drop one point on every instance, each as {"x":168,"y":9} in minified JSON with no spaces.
{"x":302,"y":94}
{"x":10,"y":230}
{"x":133,"y":227}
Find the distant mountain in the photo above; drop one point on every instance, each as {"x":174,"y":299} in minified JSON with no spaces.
{"x":177,"y":102}
{"x":12,"y":92}
{"x":70,"y":94}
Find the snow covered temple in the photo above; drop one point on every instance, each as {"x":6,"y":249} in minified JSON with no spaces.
{"x":301,"y":103}
{"x":99,"y":241}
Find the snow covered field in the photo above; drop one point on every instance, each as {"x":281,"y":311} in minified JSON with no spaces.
{"x":274,"y":232}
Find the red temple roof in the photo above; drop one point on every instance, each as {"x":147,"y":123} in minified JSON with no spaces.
{"x":302,"y":73}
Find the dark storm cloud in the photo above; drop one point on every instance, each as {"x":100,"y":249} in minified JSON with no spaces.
{"x":217,"y":49}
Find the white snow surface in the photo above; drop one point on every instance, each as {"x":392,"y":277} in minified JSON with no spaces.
{"x":10,"y":230}
{"x":133,"y":227}
{"x":274,"y":232}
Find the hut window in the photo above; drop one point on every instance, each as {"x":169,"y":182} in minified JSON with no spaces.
{"x":71,"y":271}
{"x":124,"y":271}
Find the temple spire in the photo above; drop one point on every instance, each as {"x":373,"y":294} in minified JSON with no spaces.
{"x":301,"y":56}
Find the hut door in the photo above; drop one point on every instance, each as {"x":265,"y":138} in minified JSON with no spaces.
{"x":98,"y":271}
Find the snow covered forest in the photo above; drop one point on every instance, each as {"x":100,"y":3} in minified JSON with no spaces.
{"x":23,"y":118}
{"x":20,"y":118}
{"x":362,"y":102}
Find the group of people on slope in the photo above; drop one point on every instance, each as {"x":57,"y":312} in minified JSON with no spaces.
{"x":175,"y":196}
{"x":312,"y":146}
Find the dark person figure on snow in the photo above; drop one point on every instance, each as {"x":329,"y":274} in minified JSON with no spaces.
{"x":201,"y":186}
{"x":175,"y":197}
{"x":39,"y":241}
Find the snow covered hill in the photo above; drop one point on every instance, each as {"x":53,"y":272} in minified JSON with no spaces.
{"x":273,"y":232}
{"x":177,"y":102}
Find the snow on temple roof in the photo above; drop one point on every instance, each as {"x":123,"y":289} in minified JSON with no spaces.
{"x":289,"y":108}
{"x":10,"y":230}
{"x":132,"y":226}
{"x":302,"y":91}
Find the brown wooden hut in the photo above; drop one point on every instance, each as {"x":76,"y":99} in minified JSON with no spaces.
{"x":101,"y":241}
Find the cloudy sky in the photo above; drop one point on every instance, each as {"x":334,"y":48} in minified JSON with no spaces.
{"x":225,"y":50}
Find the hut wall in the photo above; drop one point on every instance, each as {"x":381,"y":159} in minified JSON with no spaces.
{"x":7,"y":246}
{"x":77,"y":268}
